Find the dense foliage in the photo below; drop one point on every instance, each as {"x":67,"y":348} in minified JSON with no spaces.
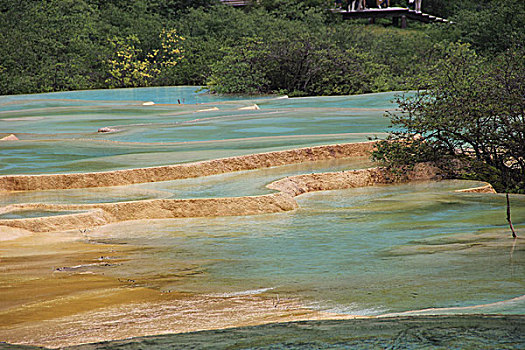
{"x":286,"y":46}
{"x":469,"y":120}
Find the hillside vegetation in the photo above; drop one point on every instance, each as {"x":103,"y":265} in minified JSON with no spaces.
{"x":293,"y":47}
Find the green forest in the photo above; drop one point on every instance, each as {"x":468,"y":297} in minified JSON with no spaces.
{"x":273,"y":46}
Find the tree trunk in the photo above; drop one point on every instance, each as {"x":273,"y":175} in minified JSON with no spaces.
{"x":508,"y":218}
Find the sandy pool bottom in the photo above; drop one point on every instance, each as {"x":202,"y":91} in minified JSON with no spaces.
{"x":55,"y":293}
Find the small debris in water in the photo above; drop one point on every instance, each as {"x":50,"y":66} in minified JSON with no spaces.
{"x":107,"y":129}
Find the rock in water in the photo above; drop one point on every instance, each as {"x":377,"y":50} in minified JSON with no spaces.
{"x":107,"y":129}
{"x":254,"y":107}
{"x":11,"y":137}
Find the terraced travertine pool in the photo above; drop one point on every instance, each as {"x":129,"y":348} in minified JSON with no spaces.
{"x":411,"y":249}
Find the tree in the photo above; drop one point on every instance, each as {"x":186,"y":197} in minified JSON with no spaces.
{"x":130,"y":67}
{"x":495,"y":28}
{"x":242,"y":70}
{"x":468,"y":118}
{"x":489,"y":26}
{"x":299,"y":61}
{"x":170,"y":9}
{"x":48,"y":46}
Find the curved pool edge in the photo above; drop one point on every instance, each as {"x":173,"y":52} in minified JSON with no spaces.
{"x":280,"y":201}
{"x":184,"y":171}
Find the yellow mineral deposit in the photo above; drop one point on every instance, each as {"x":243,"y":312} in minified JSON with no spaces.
{"x":102,"y":214}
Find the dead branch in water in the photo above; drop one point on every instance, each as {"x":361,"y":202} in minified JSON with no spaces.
{"x":508,"y":218}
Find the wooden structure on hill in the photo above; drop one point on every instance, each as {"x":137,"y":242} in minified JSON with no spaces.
{"x":399,"y":15}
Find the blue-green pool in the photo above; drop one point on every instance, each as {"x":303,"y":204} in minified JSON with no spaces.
{"x":420,"y":248}
{"x":58,"y":132}
{"x":366,"y":251}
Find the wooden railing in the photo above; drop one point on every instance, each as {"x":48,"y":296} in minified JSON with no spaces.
{"x":396,"y":13}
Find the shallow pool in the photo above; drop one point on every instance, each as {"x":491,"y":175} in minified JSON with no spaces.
{"x":364,"y":251}
{"x":418,"y":248}
{"x":58,"y":132}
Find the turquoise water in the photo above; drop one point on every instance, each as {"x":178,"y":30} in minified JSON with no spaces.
{"x":26,"y":214}
{"x":248,"y":183}
{"x":82,"y":195}
{"x":368,"y":251}
{"x":365,"y":251}
{"x":58,"y":131}
{"x":241,"y":183}
{"x":66,"y":156}
{"x":159,"y":95}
